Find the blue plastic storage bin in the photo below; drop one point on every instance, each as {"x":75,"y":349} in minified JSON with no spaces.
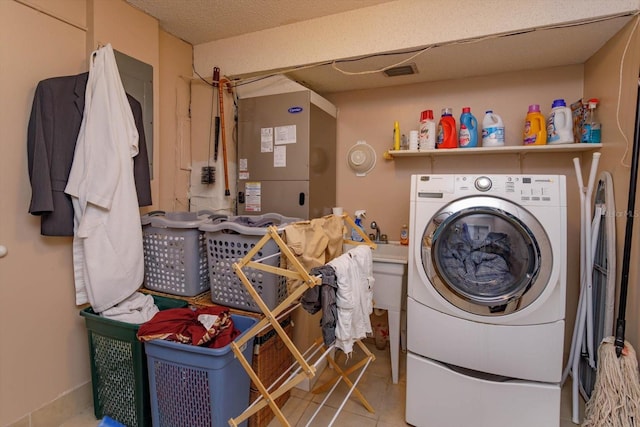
{"x":198,"y":386}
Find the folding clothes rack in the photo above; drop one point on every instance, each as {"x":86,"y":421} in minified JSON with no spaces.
{"x":303,"y":367}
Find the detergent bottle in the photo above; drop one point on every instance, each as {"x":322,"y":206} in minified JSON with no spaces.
{"x":447,"y":134}
{"x":360,"y":215}
{"x":468,"y":136}
{"x":535,"y":130}
{"x":559,"y":124}
{"x":492,"y":130}
{"x":427,"y":135}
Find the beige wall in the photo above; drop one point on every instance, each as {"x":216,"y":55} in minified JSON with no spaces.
{"x":44,"y":362}
{"x":174,"y":124}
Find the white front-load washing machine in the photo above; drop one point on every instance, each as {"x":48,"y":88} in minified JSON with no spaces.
{"x":486,"y":300}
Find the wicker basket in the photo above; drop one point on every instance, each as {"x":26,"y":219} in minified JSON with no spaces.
{"x":271,"y":358}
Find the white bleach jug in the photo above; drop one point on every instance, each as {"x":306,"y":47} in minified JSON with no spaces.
{"x":559,"y":124}
{"x":492,"y":130}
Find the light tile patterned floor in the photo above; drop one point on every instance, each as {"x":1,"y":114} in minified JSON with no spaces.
{"x":386,"y":398}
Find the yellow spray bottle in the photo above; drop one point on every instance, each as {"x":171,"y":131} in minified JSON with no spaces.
{"x":396,"y":135}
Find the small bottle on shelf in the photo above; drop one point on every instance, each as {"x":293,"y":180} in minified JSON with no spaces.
{"x":404,"y":235}
{"x":427,"y":136}
{"x":591,"y":130}
{"x":447,"y":133}
{"x":396,"y":135}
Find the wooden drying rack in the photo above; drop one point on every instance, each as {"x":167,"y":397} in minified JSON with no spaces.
{"x":304,"y":368}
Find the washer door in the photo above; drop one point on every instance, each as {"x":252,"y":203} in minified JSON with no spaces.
{"x":487,"y":255}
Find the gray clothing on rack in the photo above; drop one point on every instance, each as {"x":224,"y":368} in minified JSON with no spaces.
{"x":323,"y":297}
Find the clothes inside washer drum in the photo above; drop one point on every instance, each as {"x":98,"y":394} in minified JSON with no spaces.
{"x":477,"y":267}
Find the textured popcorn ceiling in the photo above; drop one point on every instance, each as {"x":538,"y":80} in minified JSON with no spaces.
{"x":200,"y":21}
{"x":445,"y":45}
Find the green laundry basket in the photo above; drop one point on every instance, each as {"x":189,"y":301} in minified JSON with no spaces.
{"x":119,"y":367}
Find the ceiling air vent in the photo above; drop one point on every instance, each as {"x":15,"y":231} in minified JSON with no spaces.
{"x":402,"y":70}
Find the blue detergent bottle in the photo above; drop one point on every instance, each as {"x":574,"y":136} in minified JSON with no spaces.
{"x":468,"y":135}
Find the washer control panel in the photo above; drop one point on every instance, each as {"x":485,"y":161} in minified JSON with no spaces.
{"x":525,"y":189}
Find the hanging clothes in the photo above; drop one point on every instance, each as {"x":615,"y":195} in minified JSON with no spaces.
{"x":54,"y":124}
{"x":107,"y":244}
{"x":314,"y":243}
{"x":323,"y":297}
{"x":354,"y":298}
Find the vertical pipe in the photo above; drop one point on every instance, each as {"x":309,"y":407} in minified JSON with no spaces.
{"x":626,"y":254}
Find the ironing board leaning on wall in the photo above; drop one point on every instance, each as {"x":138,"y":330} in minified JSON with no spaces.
{"x":296,"y":269}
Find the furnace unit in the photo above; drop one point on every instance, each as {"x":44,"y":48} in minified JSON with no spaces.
{"x":286,"y":155}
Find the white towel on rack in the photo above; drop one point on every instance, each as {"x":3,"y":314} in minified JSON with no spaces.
{"x":354,"y":273}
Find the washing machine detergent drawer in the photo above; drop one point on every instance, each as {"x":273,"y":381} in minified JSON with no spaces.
{"x":529,"y":352}
{"x":439,"y":396}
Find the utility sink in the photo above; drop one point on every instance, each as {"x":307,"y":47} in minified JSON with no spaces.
{"x":391,"y":252}
{"x":390,"y":290}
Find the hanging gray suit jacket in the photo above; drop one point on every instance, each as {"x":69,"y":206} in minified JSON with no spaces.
{"x":56,"y":115}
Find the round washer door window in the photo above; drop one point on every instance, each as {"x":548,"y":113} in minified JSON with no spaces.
{"x":487,"y":255}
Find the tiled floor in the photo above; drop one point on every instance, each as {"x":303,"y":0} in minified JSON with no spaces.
{"x":386,"y":398}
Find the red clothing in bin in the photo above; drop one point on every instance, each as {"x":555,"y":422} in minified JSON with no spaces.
{"x":208,"y":326}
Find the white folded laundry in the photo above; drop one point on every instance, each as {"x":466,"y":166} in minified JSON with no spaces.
{"x":138,"y":308}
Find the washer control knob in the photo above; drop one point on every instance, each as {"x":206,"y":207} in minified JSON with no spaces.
{"x":483,"y":183}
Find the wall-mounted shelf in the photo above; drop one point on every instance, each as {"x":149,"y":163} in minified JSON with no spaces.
{"x":515,"y":149}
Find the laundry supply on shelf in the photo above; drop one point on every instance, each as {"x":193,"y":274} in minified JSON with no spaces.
{"x":427,"y":137}
{"x":404,"y":142}
{"x":492,"y":130}
{"x":559,"y":123}
{"x":396,"y":135}
{"x":591,"y":129}
{"x":447,"y":134}
{"x":535,"y":129}
{"x":413,"y":140}
{"x":468,"y":136}
{"x":577,"y":117}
